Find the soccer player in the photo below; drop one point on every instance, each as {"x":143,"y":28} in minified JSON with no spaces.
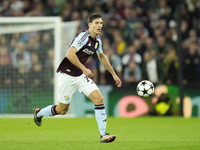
{"x":73,"y":75}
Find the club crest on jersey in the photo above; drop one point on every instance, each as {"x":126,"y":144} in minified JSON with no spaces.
{"x":66,"y":98}
{"x":87,"y":51}
{"x":96,"y":45}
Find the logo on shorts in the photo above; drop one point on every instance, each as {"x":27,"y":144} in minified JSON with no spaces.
{"x":66,"y":98}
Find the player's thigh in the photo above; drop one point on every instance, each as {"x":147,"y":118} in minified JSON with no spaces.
{"x":86,"y":85}
{"x":90,"y":89}
{"x":65,"y":88}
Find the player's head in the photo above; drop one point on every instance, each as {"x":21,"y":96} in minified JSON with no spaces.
{"x":95,"y":23}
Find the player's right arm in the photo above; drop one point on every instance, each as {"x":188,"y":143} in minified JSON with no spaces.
{"x":72,"y":57}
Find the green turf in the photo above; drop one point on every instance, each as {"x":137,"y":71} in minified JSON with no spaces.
{"x":142,"y":133}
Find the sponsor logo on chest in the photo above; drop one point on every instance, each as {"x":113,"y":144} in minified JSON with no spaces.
{"x":87,"y":51}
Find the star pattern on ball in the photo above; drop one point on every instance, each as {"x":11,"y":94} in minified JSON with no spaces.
{"x":145,"y":88}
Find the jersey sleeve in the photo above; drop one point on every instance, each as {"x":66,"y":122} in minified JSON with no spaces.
{"x":79,"y":41}
{"x":100,"y":50}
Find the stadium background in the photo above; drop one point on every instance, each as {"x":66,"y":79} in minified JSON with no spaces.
{"x":132,"y":30}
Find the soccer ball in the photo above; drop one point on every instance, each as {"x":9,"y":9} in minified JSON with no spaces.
{"x":145,"y":88}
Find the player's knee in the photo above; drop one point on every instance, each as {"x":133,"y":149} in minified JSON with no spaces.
{"x":99,"y":100}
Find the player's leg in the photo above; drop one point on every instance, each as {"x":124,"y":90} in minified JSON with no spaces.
{"x":62,"y":108}
{"x":53,"y":110}
{"x":89,"y":88}
{"x":50,"y":110}
{"x":65,"y":92}
{"x":100,"y":115}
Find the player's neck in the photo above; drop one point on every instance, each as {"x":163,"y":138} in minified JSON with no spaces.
{"x":92,"y":34}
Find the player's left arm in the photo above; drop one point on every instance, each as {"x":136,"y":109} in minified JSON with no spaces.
{"x":104,"y":60}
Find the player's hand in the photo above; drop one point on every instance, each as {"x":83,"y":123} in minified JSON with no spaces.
{"x":117,"y":80}
{"x":88,"y":73}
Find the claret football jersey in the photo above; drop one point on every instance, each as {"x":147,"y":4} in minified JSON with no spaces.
{"x":85,"y":46}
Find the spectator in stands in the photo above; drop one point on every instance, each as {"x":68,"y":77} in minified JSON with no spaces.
{"x":185,"y":15}
{"x":191,"y":39}
{"x":131,"y":18}
{"x":45,"y":45}
{"x":12,"y":43}
{"x":163,"y":26}
{"x":152,"y":69}
{"x":113,"y":17}
{"x":131,"y":56}
{"x":66,"y":13}
{"x":124,"y":30}
{"x":5,"y":8}
{"x":164,"y":11}
{"x":38,"y":10}
{"x":132,"y":73}
{"x":184,"y":30}
{"x":49,"y":69}
{"x":76,"y":5}
{"x":21,"y":57}
{"x":171,"y":75}
{"x":5,"y":54}
{"x":75,"y":16}
{"x":16,"y":6}
{"x":139,"y":47}
{"x":88,"y":5}
{"x":34,"y":59}
{"x":191,"y":60}
{"x":167,"y":60}
{"x":27,"y":6}
{"x":140,"y":32}
{"x":83,"y":23}
{"x":51,"y":8}
{"x":36,"y":75}
{"x":154,"y":20}
{"x":173,"y":32}
{"x":33,"y":43}
{"x":6,"y":69}
{"x":98,"y":9}
{"x":149,"y":43}
{"x":161,"y":47}
{"x":3,"y":41}
{"x":21,"y":78}
{"x":119,"y":45}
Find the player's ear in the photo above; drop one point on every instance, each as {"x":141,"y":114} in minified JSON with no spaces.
{"x":89,"y":24}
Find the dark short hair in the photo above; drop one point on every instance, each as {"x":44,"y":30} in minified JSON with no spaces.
{"x":94,"y":16}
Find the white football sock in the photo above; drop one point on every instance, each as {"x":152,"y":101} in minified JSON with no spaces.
{"x":101,"y":118}
{"x":47,"y":111}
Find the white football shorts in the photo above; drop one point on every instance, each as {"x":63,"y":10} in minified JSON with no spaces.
{"x":67,"y":85}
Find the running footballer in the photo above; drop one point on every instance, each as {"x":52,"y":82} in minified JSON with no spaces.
{"x":73,"y":75}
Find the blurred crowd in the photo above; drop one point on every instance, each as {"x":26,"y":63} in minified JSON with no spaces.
{"x":139,"y":38}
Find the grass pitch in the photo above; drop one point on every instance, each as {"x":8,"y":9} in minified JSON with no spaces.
{"x":142,"y":133}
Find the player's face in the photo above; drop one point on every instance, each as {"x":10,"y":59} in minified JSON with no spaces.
{"x":96,"y":26}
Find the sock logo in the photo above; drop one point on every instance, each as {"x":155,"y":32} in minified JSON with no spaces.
{"x":103,"y":114}
{"x":104,"y":120}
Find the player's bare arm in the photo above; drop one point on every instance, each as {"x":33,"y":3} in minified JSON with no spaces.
{"x":104,"y":60}
{"x":71,"y":55}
